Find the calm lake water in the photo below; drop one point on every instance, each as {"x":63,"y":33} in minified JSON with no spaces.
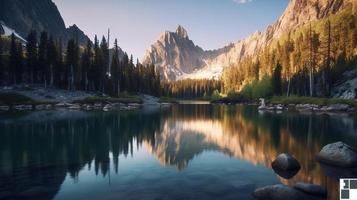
{"x":183,"y":152}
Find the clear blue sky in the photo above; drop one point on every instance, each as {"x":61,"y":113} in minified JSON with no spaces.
{"x":137,"y":24}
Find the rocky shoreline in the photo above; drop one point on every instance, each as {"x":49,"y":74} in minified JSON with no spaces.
{"x":336,"y":159}
{"x":70,"y":106}
{"x":21,"y":98}
{"x":311,"y":108}
{"x":308,"y":108}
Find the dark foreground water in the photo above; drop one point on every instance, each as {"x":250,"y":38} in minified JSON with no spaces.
{"x":183,"y":152}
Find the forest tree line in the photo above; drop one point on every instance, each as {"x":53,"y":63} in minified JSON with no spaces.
{"x":191,"y":89}
{"x":308,"y":61}
{"x":43,"y":60}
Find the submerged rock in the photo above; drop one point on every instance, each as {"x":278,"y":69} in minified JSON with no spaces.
{"x":338,"y":154}
{"x":282,"y":192}
{"x":286,"y":166}
{"x":336,"y":173}
{"x":311,"y":189}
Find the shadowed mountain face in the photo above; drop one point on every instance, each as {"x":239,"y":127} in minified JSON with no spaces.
{"x":177,"y":60}
{"x":40,"y":15}
{"x":218,"y":144}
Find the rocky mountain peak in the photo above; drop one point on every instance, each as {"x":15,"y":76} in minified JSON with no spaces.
{"x":181,"y":31}
{"x":177,"y":57}
{"x":40,"y":15}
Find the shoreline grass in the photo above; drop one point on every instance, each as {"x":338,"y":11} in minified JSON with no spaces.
{"x":13,"y":98}
{"x":126,"y":99}
{"x":311,"y":100}
{"x":168,"y":100}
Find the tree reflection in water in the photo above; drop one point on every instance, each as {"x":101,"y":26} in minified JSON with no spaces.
{"x":37,"y":150}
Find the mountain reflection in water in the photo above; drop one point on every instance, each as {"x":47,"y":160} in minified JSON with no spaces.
{"x":216,"y":151}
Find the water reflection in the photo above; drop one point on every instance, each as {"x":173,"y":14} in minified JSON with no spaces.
{"x":42,"y":153}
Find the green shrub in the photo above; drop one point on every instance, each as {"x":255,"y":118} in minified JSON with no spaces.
{"x":216,"y":95}
{"x":310,"y":100}
{"x":258,"y":89}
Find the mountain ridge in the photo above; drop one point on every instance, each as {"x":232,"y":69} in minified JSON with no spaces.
{"x":210,"y":64}
{"x":40,"y":15}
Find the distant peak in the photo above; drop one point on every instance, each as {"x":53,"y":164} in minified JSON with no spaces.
{"x":181,"y":31}
{"x":74,"y":27}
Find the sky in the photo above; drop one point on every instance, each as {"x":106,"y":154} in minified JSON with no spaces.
{"x":137,"y":24}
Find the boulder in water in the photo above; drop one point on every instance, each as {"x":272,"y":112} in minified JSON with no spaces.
{"x":338,"y":154}
{"x":312,"y":189}
{"x":282,"y":192}
{"x":285,"y":162}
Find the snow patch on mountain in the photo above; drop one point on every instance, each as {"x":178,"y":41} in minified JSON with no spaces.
{"x":8,"y":32}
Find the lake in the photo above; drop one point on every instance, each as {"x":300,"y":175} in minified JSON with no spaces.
{"x":191,"y":151}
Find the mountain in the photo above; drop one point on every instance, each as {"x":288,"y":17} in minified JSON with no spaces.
{"x":40,"y":15}
{"x":177,"y":57}
{"x":175,"y":54}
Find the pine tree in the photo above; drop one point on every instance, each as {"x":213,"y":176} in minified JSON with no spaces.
{"x":19,"y":64}
{"x":115,"y":70}
{"x":97,"y":65}
{"x":31,"y":54}
{"x":104,"y":63}
{"x":2,"y":64}
{"x":13,"y":59}
{"x":59,"y":67}
{"x":87,"y":65}
{"x":71,"y":63}
{"x":327,"y":68}
{"x":276,"y":80}
{"x":124,"y":75}
{"x":42,"y":58}
{"x":51,"y":61}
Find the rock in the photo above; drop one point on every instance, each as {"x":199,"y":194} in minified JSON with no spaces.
{"x":87,"y":107}
{"x":311,"y":189}
{"x":347,"y":88}
{"x":324,"y":109}
{"x":282,"y":192}
{"x":98,"y":106}
{"x":285,"y":162}
{"x":351,"y":110}
{"x":134,"y":104}
{"x":286,"y":174}
{"x":279,"y":107}
{"x":107,"y":107}
{"x":262,"y":104}
{"x":267,"y":107}
{"x":61,"y":104}
{"x":40,"y":107}
{"x":338,"y":107}
{"x":286,"y":166}
{"x":23,"y":107}
{"x":74,"y":106}
{"x":306,"y":107}
{"x":4,"y":108}
{"x":338,"y":154}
